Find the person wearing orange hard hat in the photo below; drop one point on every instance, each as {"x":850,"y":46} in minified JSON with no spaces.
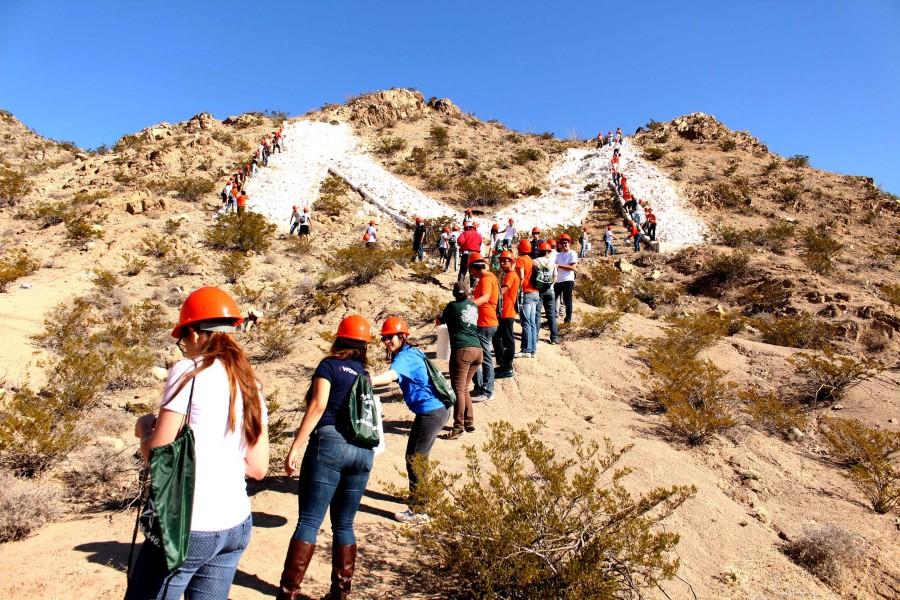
{"x":486,"y":297}
{"x":504,"y":339}
{"x":530,"y":300}
{"x":370,"y":237}
{"x":212,"y":398}
{"x":335,"y":469}
{"x":535,"y":241}
{"x":494,"y":243}
{"x":410,"y":371}
{"x":469,"y":243}
{"x":419,"y":240}
{"x":544,"y":275}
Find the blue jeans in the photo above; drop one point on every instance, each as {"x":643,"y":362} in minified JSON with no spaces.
{"x":637,"y":242}
{"x":529,"y":323}
{"x":206,"y":574}
{"x":333,"y":473}
{"x":548,"y":299}
{"x":424,"y":431}
{"x":610,"y":249}
{"x":484,"y":379}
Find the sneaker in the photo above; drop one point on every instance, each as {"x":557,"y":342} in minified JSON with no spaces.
{"x":504,"y":374}
{"x":531,"y":355}
{"x":483,"y":397}
{"x":408,"y":516}
{"x":521,"y":355}
{"x":454,"y":434}
{"x":553,"y":342}
{"x":470,"y":428}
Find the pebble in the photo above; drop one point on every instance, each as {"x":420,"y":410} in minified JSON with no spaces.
{"x":838,"y":407}
{"x":25,"y":286}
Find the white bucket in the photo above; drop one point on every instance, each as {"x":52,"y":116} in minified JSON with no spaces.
{"x":443,"y":343}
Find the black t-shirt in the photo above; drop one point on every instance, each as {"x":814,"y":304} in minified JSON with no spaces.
{"x":342,"y":374}
{"x":419,"y":235}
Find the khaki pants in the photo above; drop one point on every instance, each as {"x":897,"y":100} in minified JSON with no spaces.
{"x":464,"y":363}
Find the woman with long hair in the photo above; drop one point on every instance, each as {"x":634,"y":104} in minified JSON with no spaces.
{"x":409,"y":371}
{"x":334,"y":471}
{"x":215,"y":391}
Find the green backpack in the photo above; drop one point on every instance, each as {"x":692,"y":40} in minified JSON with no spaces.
{"x":361,"y":413}
{"x":542,"y":276}
{"x":439,"y":383}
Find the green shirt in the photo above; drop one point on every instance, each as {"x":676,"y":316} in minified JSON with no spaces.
{"x":461,"y":319}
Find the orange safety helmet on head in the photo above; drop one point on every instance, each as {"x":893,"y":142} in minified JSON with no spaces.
{"x":535,"y":230}
{"x":418,"y":219}
{"x":475,"y":257}
{"x":446,"y":230}
{"x":506,"y":254}
{"x":544,"y":247}
{"x":371,"y":221}
{"x":565,"y":238}
{"x":524,"y":247}
{"x":207,"y":304}
{"x":552,"y":243}
{"x":394,"y":325}
{"x":495,"y":227}
{"x":354,"y":327}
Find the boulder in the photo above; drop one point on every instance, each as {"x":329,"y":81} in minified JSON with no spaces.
{"x":624,"y":266}
{"x":388,"y":106}
{"x":445,"y":106}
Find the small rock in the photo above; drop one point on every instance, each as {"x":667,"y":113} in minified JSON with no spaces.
{"x":892,"y":421}
{"x":654,"y":275}
{"x":110,"y":442}
{"x":838,"y":406}
{"x":749,"y":474}
{"x":761,"y":514}
{"x":25,"y":286}
{"x":159,"y":373}
{"x":743,"y":522}
{"x":795,"y":434}
{"x":129,"y":208}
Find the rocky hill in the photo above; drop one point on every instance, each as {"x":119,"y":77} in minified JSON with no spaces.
{"x":799,"y":262}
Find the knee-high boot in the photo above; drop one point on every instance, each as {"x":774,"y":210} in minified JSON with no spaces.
{"x":295,"y":564}
{"x":343,"y":562}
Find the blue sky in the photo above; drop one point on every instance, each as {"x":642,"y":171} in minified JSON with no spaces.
{"x":820,"y":78}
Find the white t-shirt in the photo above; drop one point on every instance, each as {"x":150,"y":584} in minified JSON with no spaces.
{"x":220,"y":491}
{"x":565,"y":258}
{"x":510,"y":233}
{"x":373,"y":234}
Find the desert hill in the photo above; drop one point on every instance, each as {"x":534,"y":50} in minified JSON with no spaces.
{"x":115,"y":240}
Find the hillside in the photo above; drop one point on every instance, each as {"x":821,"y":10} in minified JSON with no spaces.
{"x":127,"y":232}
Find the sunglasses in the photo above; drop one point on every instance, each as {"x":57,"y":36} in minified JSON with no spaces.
{"x":387,"y":338}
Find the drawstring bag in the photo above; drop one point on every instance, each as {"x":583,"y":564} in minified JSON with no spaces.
{"x":165,"y":514}
{"x":361,"y":413}
{"x":439,"y":383}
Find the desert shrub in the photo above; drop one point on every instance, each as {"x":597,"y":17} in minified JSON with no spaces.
{"x":525,"y":155}
{"x":469,"y":168}
{"x":771,"y":166}
{"x":868,"y":455}
{"x":275,"y":340}
{"x":687,"y":335}
{"x":891,"y":293}
{"x":426,"y":307}
{"x":771,"y":413}
{"x":774,"y":237}
{"x":797,"y":161}
{"x":730,"y":170}
{"x":598,"y":323}
{"x":25,"y":505}
{"x":734,"y":193}
{"x":178,"y":263}
{"x":596,"y":282}
{"x":320,"y":303}
{"x":698,"y":404}
{"x":364,"y":264}
{"x":828,"y":376}
{"x":419,"y":158}
{"x":482,"y":190}
{"x":14,"y":185}
{"x":789,"y":194}
{"x":727,"y":144}
{"x":105,"y":281}
{"x":390,"y":145}
{"x":192,"y":189}
{"x":133,"y":265}
{"x":171,"y":226}
{"x":81,"y":228}
{"x":424,"y":272}
{"x":438,"y":182}
{"x":829,"y":553}
{"x":799,"y":330}
{"x":124,"y":177}
{"x":677,"y":162}
{"x":460,"y":153}
{"x":223,"y":137}
{"x":653,"y":293}
{"x":35,"y":432}
{"x":247,"y":294}
{"x":722,"y":268}
{"x":103,"y":477}
{"x":250,"y":231}
{"x":819,"y":250}
{"x":234,"y":265}
{"x":330,"y":205}
{"x":46,"y":213}
{"x":730,"y":236}
{"x":85,"y":198}
{"x":542,"y":526}
{"x":767,"y":296}
{"x":155,"y":246}
{"x":533,"y":190}
{"x":438,"y":137}
{"x":654,"y":153}
{"x":15,"y":264}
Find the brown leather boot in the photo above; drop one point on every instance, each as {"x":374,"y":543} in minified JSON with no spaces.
{"x":343,"y":562}
{"x":295,"y":564}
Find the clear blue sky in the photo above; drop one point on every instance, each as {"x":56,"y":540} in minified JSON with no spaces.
{"x":817,"y":77}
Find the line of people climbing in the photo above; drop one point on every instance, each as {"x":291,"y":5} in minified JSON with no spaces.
{"x":233,"y":195}
{"x":640,"y":218}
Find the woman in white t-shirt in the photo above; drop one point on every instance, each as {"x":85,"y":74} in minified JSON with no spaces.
{"x":370,"y":237}
{"x":216,"y":385}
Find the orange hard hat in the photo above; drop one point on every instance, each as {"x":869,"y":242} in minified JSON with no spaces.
{"x":475,"y":257}
{"x":446,"y":230}
{"x":418,"y":219}
{"x":207,"y":304}
{"x":535,"y":230}
{"x":524,"y":247}
{"x":495,"y":227}
{"x":544,"y":247}
{"x":565,"y":238}
{"x":552,"y":243}
{"x":506,"y":254}
{"x":510,"y":221}
{"x":372,"y":222}
{"x":393,"y":325}
{"x":354,"y":327}
{"x":305,"y":209}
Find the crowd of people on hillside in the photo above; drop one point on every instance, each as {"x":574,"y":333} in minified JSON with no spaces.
{"x":214,"y":396}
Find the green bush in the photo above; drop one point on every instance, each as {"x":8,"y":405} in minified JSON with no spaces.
{"x":106,"y":281}
{"x":828,"y":376}
{"x":247,"y":294}
{"x":789,"y":194}
{"x":14,"y":185}
{"x":482,"y":190}
{"x":723,"y":268}
{"x":438,"y":182}
{"x":275,"y":340}
{"x":868,"y":454}
{"x":654,"y":153}
{"x":774,"y":237}
{"x":768,"y":296}
{"x":15,"y":264}
{"x":36,"y":431}
{"x":155,"y":246}
{"x":727,"y":144}
{"x":733,"y":193}
{"x":133,"y":265}
{"x":799,"y":330}
{"x":541,"y":526}
{"x":731,"y":237}
{"x":362,"y":264}
{"x":192,"y":189}
{"x":698,"y":404}
{"x":390,"y":145}
{"x":525,"y":155}
{"x":419,"y":158}
{"x":819,"y":250}
{"x":460,"y":153}
{"x":653,"y":293}
{"x":773,"y":414}
{"x":439,"y":137}
{"x":243,"y":233}
{"x":234,"y":265}
{"x":598,"y":323}
{"x":86,"y":198}
{"x":596,"y":282}
{"x":47,"y":213}
{"x":178,"y":263}
{"x":798,"y":161}
{"x":677,"y":162}
{"x":81,"y":228}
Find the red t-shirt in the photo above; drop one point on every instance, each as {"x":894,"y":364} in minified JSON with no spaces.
{"x":469,"y":241}
{"x":487,"y":312}
{"x":510,"y":291}
{"x":527,"y":266}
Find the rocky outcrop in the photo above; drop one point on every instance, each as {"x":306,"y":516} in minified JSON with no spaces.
{"x":445,"y":106}
{"x":383,"y":108}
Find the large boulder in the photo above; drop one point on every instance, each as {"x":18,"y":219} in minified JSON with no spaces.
{"x":386,"y":107}
{"x":445,"y":106}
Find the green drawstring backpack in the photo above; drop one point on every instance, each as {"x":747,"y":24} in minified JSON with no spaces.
{"x":442,"y":388}
{"x":165,"y":513}
{"x":361,"y":413}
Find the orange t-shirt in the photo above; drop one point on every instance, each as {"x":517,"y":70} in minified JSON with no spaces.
{"x":242,"y":200}
{"x":525,"y":263}
{"x":511,"y":291}
{"x":487,"y":312}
